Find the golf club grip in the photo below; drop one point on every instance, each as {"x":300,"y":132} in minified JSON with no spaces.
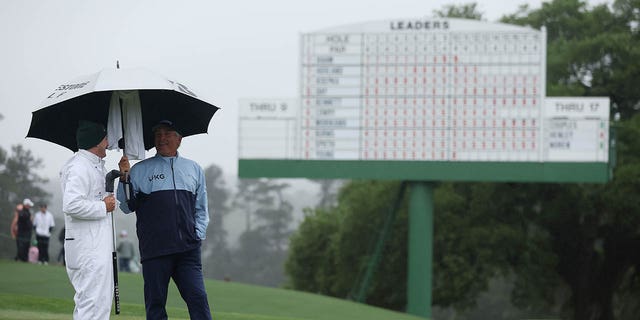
{"x":116,"y":290}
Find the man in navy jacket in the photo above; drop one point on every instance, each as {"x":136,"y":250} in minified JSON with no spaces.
{"x":169,"y":196}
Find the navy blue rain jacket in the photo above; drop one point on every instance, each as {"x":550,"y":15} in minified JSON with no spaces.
{"x":170,"y":201}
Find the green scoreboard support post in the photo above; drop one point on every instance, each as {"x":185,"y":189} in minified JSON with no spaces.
{"x":420,"y":260}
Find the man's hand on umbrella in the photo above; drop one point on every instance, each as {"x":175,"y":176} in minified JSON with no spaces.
{"x":110,"y":202}
{"x":124,"y":168}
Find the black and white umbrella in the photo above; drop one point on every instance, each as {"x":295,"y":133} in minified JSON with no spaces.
{"x":129,"y":102}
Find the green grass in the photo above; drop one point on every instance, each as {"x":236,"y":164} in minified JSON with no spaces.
{"x":29,"y":291}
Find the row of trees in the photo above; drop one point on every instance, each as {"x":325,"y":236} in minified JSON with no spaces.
{"x":260,"y":253}
{"x":17,"y":181}
{"x":564,"y":250}
{"x":261,"y":250}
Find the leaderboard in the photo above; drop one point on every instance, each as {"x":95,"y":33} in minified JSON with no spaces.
{"x":427,"y":89}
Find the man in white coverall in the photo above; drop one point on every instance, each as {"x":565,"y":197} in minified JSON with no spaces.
{"x":88,"y":235}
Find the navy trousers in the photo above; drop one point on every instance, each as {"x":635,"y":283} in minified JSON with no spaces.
{"x":22,"y":247}
{"x":43,"y":248}
{"x":186,"y":271}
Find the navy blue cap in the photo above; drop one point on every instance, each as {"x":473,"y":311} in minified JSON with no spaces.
{"x":167,"y":124}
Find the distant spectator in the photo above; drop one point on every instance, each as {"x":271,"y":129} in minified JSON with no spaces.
{"x":21,"y":227}
{"x":126,"y":252}
{"x":43,"y":223}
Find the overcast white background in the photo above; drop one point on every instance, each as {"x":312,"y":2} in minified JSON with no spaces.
{"x":223,"y":50}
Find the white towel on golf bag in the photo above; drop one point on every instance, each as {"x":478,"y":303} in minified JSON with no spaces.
{"x":134,"y":139}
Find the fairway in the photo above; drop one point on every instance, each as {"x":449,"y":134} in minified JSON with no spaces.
{"x":29,"y":291}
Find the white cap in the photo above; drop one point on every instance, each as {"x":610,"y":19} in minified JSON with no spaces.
{"x":27,"y":202}
{"x":123,"y":233}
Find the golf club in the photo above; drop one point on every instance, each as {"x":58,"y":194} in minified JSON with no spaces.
{"x":110,"y":178}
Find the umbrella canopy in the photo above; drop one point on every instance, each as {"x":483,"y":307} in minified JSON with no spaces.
{"x":91,"y":98}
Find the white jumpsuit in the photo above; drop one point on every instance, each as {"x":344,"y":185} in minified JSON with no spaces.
{"x":88,"y":235}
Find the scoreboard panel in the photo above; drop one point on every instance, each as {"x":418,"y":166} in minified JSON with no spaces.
{"x":426,"y":90}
